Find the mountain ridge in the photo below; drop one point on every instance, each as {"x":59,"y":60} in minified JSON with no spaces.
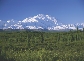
{"x":39,"y":21}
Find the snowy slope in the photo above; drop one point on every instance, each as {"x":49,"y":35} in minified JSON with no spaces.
{"x":39,"y":21}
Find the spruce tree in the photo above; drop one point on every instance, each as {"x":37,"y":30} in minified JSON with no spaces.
{"x":42,"y":38}
{"x":77,"y":28}
{"x":83,"y":29}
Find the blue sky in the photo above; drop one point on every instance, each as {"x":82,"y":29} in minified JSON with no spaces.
{"x":65,"y":11}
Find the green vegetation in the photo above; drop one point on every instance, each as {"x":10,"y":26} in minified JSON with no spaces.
{"x":42,"y":46}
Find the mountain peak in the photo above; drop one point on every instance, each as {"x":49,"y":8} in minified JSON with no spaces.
{"x":39,"y":17}
{"x":39,"y":21}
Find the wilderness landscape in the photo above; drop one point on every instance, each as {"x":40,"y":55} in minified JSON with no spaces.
{"x":41,"y":46}
{"x":41,"y":30}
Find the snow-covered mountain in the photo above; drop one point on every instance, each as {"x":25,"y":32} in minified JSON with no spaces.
{"x":39,"y":21}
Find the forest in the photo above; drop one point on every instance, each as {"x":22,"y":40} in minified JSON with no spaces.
{"x":42,"y":46}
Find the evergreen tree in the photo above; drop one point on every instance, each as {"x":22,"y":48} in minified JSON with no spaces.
{"x":77,"y":28}
{"x":83,"y":29}
{"x":42,"y":38}
{"x":72,"y":38}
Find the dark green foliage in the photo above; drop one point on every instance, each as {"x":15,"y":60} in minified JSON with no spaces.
{"x":42,"y":46}
{"x":83,"y":29}
{"x":77,"y":29}
{"x":42,"y":38}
